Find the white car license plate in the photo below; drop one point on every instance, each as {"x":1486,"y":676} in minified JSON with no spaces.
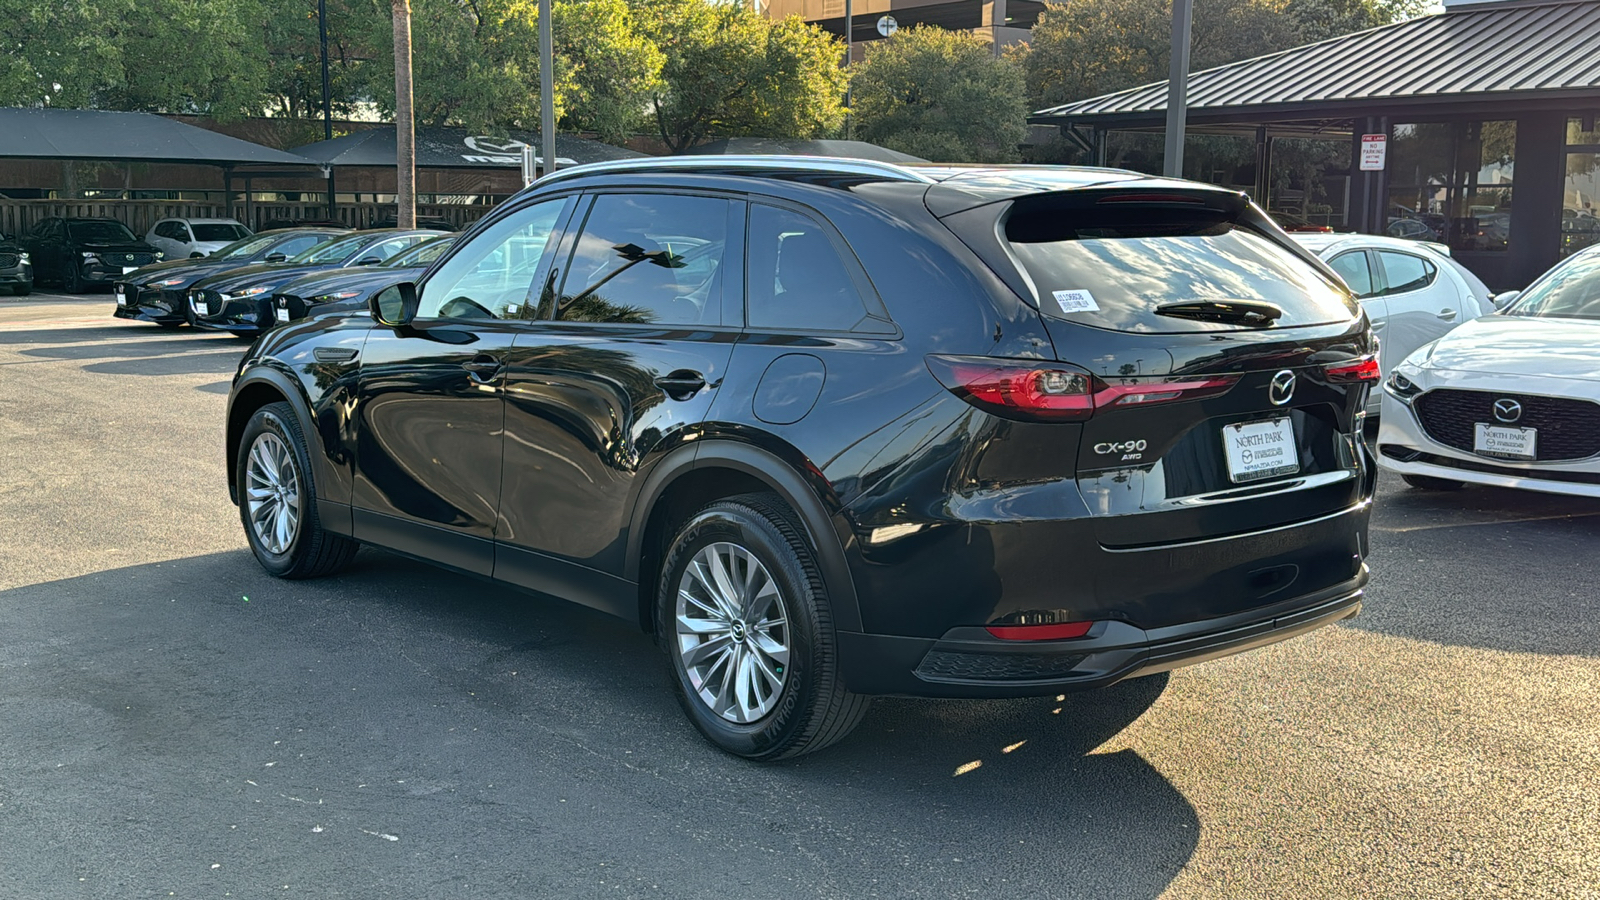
{"x":1504,"y":442}
{"x":122,"y":296}
{"x":280,"y":313}
{"x":127,"y":269}
{"x":1258,"y":450}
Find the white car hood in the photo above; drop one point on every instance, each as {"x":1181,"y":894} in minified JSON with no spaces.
{"x":1519,"y":345}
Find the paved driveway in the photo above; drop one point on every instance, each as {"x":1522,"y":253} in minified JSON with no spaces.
{"x":175,"y":723}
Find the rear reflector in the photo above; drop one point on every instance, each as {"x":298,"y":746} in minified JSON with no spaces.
{"x":1057,"y":632}
{"x":1353,"y":371}
{"x":1036,"y":390}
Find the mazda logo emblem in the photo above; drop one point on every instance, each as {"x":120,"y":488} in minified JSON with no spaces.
{"x":1507,"y":410}
{"x":1281,"y":390}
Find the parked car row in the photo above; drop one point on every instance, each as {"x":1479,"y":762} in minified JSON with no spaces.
{"x":234,"y":288}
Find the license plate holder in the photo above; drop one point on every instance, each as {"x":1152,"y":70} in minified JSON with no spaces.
{"x":122,"y":295}
{"x":1505,"y":441}
{"x":281,"y":314}
{"x":1262,"y":449}
{"x":127,"y":269}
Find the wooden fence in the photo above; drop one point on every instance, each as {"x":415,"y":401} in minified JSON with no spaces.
{"x":18,"y":216}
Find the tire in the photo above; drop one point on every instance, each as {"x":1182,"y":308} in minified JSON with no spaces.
{"x":1429,"y":483}
{"x":21,"y":290}
{"x":291,"y":542}
{"x":809,"y":708}
{"x":72,"y":282}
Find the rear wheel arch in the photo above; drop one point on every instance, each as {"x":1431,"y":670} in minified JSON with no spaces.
{"x":698,"y":474}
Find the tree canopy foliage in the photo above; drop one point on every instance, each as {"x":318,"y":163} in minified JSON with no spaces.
{"x":941,"y":95}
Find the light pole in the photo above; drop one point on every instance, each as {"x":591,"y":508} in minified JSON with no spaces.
{"x":547,"y":87}
{"x":1178,"y":88}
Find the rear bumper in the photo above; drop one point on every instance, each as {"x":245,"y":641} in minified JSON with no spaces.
{"x":968,"y":662}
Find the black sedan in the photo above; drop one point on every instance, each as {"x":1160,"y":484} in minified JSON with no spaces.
{"x":350,"y":289}
{"x":16,"y":267}
{"x":159,"y":293}
{"x":240,"y":300}
{"x":77,"y":253}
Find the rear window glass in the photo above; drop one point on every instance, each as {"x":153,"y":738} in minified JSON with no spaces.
{"x":213,"y":231}
{"x":1115,"y":268}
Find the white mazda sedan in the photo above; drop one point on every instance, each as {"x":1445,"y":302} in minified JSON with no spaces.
{"x":1511,"y":399}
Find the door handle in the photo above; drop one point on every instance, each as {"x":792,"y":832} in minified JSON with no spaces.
{"x":483,"y":368}
{"x":334,"y":354}
{"x":1447,"y":314}
{"x":682,"y":384}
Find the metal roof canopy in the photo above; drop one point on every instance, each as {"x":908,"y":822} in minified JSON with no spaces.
{"x":101,"y":135}
{"x":454,"y":148}
{"x":1465,"y":60}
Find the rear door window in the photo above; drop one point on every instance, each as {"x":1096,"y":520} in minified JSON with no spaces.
{"x":1117,"y":265}
{"x":1404,"y":272}
{"x":798,"y":280}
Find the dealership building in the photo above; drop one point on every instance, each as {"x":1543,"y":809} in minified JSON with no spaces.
{"x":1475,"y":127}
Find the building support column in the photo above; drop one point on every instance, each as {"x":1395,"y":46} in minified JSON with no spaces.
{"x":1540,"y":192}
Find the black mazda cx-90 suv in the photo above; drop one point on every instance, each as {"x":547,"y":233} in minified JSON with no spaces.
{"x":831,"y":429}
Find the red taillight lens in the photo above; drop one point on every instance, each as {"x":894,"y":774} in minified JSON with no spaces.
{"x":1018,"y":389}
{"x":1354,"y":371}
{"x":1057,"y":632}
{"x":1036,"y":390}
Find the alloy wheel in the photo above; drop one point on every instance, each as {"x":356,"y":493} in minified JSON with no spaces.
{"x":272,"y":493}
{"x":733,"y":632}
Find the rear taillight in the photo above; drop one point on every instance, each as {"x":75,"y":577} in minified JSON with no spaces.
{"x":1036,"y":390}
{"x":1354,"y":371}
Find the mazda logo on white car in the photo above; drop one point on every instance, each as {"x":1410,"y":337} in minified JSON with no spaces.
{"x":1507,"y":410}
{"x":1281,"y":390}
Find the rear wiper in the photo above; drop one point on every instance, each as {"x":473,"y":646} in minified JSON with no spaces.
{"x":1234,"y":312}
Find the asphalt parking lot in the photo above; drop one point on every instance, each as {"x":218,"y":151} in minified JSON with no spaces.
{"x":173,"y":722}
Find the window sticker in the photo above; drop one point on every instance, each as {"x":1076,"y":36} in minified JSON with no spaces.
{"x":1076,"y":301}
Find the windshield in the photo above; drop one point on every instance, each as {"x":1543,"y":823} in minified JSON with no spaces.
{"x":422,"y":254}
{"x":1572,"y":291}
{"x":227,"y":231}
{"x":332,"y":251}
{"x":99,"y":232}
{"x":245,"y":248}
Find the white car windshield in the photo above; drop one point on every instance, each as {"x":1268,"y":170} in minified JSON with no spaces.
{"x":1570,"y":292}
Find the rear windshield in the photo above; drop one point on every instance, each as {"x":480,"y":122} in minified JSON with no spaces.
{"x":107,"y":232}
{"x":1114,"y":268}
{"x":213,"y":231}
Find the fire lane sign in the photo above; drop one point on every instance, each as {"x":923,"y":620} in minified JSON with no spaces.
{"x":1373,"y":149}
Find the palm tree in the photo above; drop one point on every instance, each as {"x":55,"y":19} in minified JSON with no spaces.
{"x":405,"y":137}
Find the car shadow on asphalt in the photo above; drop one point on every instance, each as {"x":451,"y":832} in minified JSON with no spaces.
{"x":1485,"y":567}
{"x":108,"y":351}
{"x":394,"y":650}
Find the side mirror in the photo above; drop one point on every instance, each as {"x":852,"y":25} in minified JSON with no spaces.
{"x":395,"y":306}
{"x":1503,"y":300}
{"x":277,"y":257}
{"x":197,"y":255}
{"x":368,"y":261}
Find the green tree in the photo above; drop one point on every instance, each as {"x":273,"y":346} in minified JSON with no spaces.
{"x":941,"y":95}
{"x":729,"y":72}
{"x":606,"y":67}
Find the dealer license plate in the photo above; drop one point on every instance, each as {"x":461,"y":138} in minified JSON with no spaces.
{"x":281,"y":314}
{"x":122,"y":295}
{"x":1504,"y":442}
{"x":1258,"y":450}
{"x":127,"y":269}
{"x":201,"y":308}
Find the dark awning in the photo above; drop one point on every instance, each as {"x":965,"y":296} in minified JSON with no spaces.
{"x":455,"y":148}
{"x":93,"y":134}
{"x":1522,"y":53}
{"x":749,"y":146}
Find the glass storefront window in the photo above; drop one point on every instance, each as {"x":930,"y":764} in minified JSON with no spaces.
{"x":1451,"y":182}
{"x":1580,"y":201}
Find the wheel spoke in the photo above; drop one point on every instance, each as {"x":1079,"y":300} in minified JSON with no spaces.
{"x":706,"y":649}
{"x":772,"y":648}
{"x":701,"y":575}
{"x":700,"y":625}
{"x":727,"y":594}
{"x":701,"y":605}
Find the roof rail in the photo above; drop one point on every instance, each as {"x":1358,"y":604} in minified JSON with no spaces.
{"x":825,"y":164}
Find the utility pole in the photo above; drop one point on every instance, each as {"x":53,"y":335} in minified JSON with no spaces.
{"x":849,"y":54}
{"x":1178,"y":88}
{"x":547,"y":87}
{"x":327,"y":92}
{"x":405,"y":135}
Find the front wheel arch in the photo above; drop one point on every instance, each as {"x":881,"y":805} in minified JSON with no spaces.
{"x":257,"y":389}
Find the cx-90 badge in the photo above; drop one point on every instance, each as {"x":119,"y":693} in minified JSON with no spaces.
{"x":1281,"y":390}
{"x":1128,"y":449}
{"x":1507,"y":410}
